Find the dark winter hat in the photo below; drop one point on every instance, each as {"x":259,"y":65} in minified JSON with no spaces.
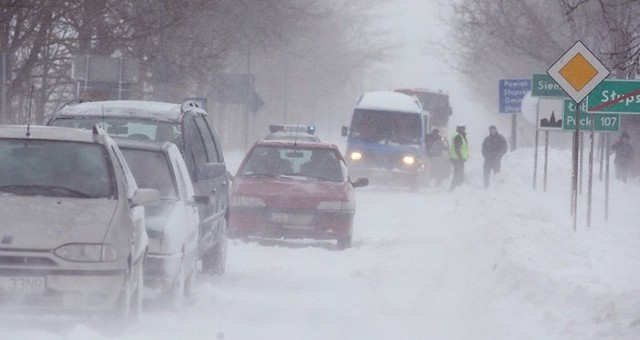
{"x":492,"y":127}
{"x":435,"y":131}
{"x":459,"y":127}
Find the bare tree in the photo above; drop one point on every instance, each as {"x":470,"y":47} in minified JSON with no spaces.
{"x":501,"y":38}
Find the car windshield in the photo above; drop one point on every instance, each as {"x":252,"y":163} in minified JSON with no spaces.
{"x":55,"y":168}
{"x":151,"y":169}
{"x":126,"y":127}
{"x":272,"y":161}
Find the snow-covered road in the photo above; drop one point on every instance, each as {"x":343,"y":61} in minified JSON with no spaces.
{"x":502,"y":263}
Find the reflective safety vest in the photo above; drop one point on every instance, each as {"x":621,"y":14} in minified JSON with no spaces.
{"x":464,"y":149}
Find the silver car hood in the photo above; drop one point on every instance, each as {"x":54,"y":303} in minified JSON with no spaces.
{"x":45,"y":223}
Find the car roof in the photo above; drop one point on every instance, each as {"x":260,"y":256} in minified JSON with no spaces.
{"x":49,"y":133}
{"x":292,"y":135}
{"x":127,"y":108}
{"x":147,"y":145}
{"x":292,"y":143}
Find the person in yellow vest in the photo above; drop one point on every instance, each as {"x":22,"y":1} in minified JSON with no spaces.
{"x":458,"y":154}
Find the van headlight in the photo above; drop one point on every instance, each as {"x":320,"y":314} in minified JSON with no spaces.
{"x":408,"y":160}
{"x":81,"y":252}
{"x":356,"y":156}
{"x":247,"y":201}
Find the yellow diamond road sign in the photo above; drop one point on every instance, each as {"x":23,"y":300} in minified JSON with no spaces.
{"x":578,"y":72}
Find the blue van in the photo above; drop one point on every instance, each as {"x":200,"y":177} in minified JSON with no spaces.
{"x":385,"y":141}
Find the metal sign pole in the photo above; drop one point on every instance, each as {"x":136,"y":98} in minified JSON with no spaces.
{"x":581,"y":164}
{"x":590,"y":188}
{"x":513,"y":132}
{"x":546,"y":158}
{"x":4,"y":116}
{"x":606,"y":178}
{"x":601,"y":153}
{"x":574,"y":177}
{"x":535,"y":160}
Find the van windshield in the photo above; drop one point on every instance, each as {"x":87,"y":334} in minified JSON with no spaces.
{"x":386,"y":127}
{"x":55,"y":168}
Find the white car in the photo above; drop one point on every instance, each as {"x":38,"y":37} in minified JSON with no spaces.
{"x":172,"y":225}
{"x":72,"y":234}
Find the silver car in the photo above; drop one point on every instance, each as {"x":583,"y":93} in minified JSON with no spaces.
{"x":173,"y":224}
{"x":72,"y":232}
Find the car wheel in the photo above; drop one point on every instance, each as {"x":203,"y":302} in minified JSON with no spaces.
{"x":215,"y":261}
{"x":177,"y":291}
{"x":344,"y":243}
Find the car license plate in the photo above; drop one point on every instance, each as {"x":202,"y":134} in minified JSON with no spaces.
{"x":26,"y":285}
{"x":300,"y":219}
{"x":279,"y":217}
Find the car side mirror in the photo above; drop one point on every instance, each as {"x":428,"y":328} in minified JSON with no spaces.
{"x":145,"y":197}
{"x":345,"y":131}
{"x":213,"y":170}
{"x":360,"y":182}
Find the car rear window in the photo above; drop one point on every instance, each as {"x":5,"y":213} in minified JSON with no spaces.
{"x":55,"y":168}
{"x":126,"y":127}
{"x":151,"y":169}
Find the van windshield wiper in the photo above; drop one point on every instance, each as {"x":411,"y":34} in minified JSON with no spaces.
{"x":47,"y":190}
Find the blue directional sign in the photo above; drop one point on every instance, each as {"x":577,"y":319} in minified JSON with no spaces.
{"x":511,"y":93}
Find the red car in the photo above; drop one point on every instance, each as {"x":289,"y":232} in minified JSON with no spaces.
{"x":294,"y":189}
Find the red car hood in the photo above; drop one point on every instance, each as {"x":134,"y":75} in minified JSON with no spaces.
{"x":297,"y":193}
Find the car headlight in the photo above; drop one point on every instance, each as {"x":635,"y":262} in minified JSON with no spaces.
{"x":408,"y":160}
{"x":247,"y":201}
{"x":80,"y":252}
{"x":336,"y":205}
{"x":356,"y":156}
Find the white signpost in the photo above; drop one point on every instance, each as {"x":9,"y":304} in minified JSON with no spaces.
{"x":578,"y":72}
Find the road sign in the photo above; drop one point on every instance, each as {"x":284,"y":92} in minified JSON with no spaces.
{"x":105,"y":69}
{"x":578,"y":72}
{"x":511,"y":93}
{"x":550,"y":114}
{"x":544,"y":86}
{"x":604,"y":122}
{"x":615,"y":96}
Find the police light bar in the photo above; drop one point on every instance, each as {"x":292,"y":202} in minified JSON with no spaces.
{"x":292,"y":128}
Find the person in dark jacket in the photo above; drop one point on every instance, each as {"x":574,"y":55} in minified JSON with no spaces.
{"x":437,"y":149}
{"x":494,"y":147}
{"x":624,"y":156}
{"x":458,"y":154}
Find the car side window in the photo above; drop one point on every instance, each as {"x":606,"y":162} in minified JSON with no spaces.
{"x":212,"y":153}
{"x":197,"y":154}
{"x":216,"y":141}
{"x":181,"y":173}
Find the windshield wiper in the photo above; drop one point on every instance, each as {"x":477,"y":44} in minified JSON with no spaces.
{"x":49,"y":190}
{"x":258,"y":175}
